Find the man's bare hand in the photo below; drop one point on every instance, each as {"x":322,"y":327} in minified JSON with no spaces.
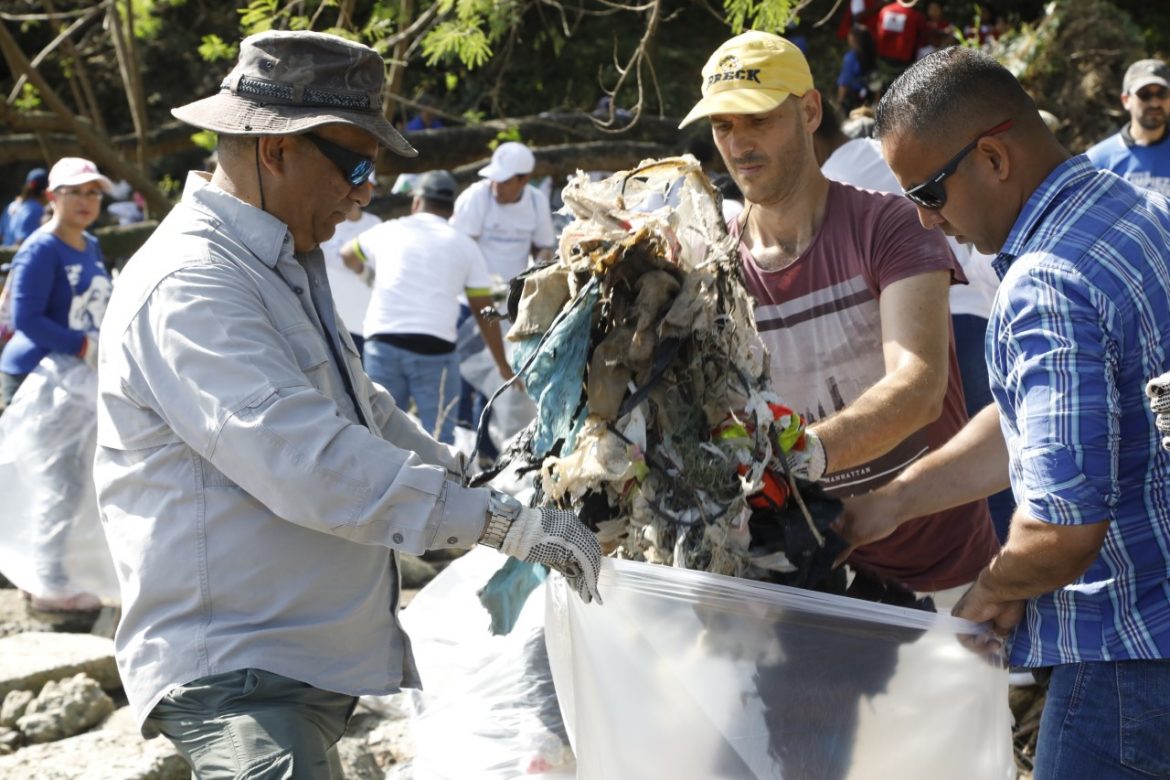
{"x":980,"y":605}
{"x":867,"y":518}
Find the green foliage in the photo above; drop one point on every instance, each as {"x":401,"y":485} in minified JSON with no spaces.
{"x":767,"y":15}
{"x":259,"y":15}
{"x":147,"y":21}
{"x":29,"y":99}
{"x":215,"y":48}
{"x":170,"y":186}
{"x":509,"y":133}
{"x":463,"y":41}
{"x":205,"y":140}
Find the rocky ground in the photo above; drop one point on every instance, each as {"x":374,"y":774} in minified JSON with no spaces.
{"x":63,"y":714}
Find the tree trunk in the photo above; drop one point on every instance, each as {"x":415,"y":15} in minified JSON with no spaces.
{"x":86,"y":101}
{"x":398,"y":62}
{"x":452,"y":147}
{"x":96,"y":144}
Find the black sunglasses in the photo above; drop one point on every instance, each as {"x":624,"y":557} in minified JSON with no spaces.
{"x":1146,"y":94}
{"x":932,"y":193}
{"x":354,"y":167}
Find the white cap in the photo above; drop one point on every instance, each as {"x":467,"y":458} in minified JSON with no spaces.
{"x":72,"y":171}
{"x":510,"y":159}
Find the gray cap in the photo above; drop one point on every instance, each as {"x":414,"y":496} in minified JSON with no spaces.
{"x":1143,"y":73}
{"x":438,"y":185}
{"x":291,"y":82}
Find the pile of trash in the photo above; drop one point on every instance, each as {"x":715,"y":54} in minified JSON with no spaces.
{"x":656,"y":422}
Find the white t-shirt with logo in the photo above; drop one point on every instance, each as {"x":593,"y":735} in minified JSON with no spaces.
{"x":505,"y":232}
{"x":351,"y":295}
{"x":421,"y":267}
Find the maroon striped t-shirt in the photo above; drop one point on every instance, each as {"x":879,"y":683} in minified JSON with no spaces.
{"x":821,"y":323}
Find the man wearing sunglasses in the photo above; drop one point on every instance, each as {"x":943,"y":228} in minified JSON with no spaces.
{"x":255,"y":485}
{"x":851,"y":301}
{"x":1140,"y":151}
{"x":1078,"y":328}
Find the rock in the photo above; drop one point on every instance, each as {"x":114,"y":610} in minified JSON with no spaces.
{"x":31,"y":659}
{"x":65,"y":708}
{"x":415,"y":571}
{"x":17,"y":618}
{"x":113,"y":751}
{"x":10,"y":740}
{"x":15,"y":703}
{"x":392,"y":742}
{"x":357,"y":760}
{"x":107,"y":622}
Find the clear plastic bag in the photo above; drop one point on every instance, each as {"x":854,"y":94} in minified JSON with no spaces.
{"x":488,"y":709}
{"x":685,"y":674}
{"x":51,"y":539}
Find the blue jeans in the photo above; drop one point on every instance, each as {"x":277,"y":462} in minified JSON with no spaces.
{"x":1106,"y":720}
{"x":969,"y":335}
{"x":431,"y":381}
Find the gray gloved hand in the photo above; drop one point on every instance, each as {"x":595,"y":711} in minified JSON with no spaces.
{"x":556,"y":538}
{"x":1159,"y":392}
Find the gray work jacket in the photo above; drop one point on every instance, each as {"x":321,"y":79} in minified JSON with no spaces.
{"x":248,"y":503}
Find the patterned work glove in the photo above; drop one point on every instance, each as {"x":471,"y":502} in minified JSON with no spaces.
{"x":1159,"y":392}
{"x":808,"y":462}
{"x":553,"y":537}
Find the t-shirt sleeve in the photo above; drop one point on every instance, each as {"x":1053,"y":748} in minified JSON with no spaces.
{"x":469,"y":213}
{"x":367,"y":242}
{"x":903,"y":248}
{"x":478,"y":281}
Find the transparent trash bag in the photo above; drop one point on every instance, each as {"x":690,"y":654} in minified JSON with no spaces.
{"x":685,"y":674}
{"x":51,"y":539}
{"x":488,"y":709}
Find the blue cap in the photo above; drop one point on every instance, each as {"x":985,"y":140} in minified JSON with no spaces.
{"x":38,"y":176}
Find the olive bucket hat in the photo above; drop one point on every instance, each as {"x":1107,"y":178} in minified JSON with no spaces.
{"x":291,"y":82}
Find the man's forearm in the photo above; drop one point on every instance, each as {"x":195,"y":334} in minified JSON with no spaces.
{"x":490,"y":329}
{"x":880,"y":419}
{"x":1041,"y":557}
{"x":971,"y":466}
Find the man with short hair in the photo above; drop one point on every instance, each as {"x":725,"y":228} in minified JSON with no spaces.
{"x":851,"y":301}
{"x":421,"y":267}
{"x":254,"y":484}
{"x":1078,"y":327}
{"x":1140,"y":151}
{"x":508,"y":219}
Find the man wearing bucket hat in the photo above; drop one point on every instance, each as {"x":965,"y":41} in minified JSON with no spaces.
{"x":253,"y":481}
{"x":851,"y":300}
{"x":422,"y":265}
{"x":1140,"y":151}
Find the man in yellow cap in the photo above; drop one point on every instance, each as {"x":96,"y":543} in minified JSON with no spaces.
{"x":851,"y":300}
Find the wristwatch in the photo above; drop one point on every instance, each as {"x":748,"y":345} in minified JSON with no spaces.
{"x":502,"y":511}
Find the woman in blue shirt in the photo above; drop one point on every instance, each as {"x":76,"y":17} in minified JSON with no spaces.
{"x":59,"y":293}
{"x":59,"y":283}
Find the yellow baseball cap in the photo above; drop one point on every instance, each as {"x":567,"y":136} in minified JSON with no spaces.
{"x":751,"y":73}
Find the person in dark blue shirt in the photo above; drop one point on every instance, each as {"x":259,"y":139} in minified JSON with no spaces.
{"x":24,"y":214}
{"x":425,"y":119}
{"x":857,"y":68}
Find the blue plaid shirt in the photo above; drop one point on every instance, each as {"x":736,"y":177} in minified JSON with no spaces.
{"x":1080,"y":323}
